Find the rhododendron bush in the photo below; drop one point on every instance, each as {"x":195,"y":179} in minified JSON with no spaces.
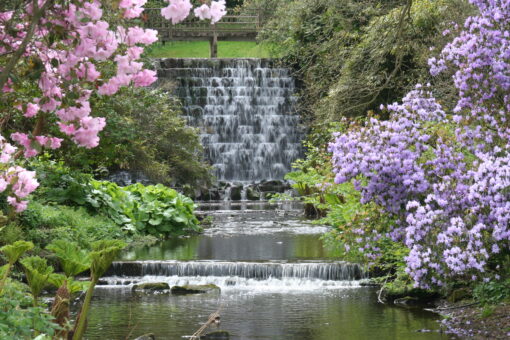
{"x":443,"y":176}
{"x":65,"y":47}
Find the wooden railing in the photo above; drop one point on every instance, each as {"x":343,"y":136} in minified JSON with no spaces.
{"x":230,"y":27}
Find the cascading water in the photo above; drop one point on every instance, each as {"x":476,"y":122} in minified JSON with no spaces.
{"x":276,"y":278}
{"x":238,"y":275}
{"x":262,"y":271}
{"x":245,"y":109}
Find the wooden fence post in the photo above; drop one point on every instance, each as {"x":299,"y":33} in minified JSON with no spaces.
{"x":213,"y":43}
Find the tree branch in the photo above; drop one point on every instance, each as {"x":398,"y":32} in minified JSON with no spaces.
{"x":37,"y":15}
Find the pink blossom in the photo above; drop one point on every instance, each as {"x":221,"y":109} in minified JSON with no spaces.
{"x":18,"y":206}
{"x":134,"y":52}
{"x":55,"y":142}
{"x":7,"y":87}
{"x":67,"y":129}
{"x":177,"y":10}
{"x":144,"y":78}
{"x":42,"y":140}
{"x":6,"y":16}
{"x":86,"y":135}
{"x":50,"y":105}
{"x":88,"y":71}
{"x":138,"y":35}
{"x":126,"y":66}
{"x":92,"y":10}
{"x":31,"y":110}
{"x":25,"y":184}
{"x":108,"y":89}
{"x":203,"y":12}
{"x":3,"y":184}
{"x":21,"y":138}
{"x":217,"y":10}
{"x":74,"y":112}
{"x":6,"y":150}
{"x":133,"y":8}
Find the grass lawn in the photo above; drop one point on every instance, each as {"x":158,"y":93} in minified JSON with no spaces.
{"x":200,"y":49}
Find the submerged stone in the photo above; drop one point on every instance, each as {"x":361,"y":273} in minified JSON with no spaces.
{"x":195,"y":289}
{"x":151,"y":287}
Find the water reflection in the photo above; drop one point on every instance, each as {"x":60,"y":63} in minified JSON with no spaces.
{"x":235,"y":248}
{"x":320,"y":315}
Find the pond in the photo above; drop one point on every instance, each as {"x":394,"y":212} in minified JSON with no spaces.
{"x":277,"y":281}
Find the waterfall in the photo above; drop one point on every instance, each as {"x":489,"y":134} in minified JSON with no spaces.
{"x":335,"y":271}
{"x":245,"y":110}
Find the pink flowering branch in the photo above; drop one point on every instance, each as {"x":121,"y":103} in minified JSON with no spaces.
{"x":36,"y":17}
{"x":69,"y":44}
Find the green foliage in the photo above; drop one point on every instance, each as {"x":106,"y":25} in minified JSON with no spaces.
{"x":37,"y":272}
{"x":72,"y":206}
{"x":18,"y":318}
{"x":339,"y":206}
{"x":146,"y":132}
{"x":59,"y":183}
{"x":57,"y":280}
{"x":102,"y":255}
{"x":44,"y":223}
{"x":155,"y":209}
{"x":11,"y":233}
{"x":73,"y":259}
{"x":492,"y":293}
{"x":14,"y":251}
{"x":354,"y":55}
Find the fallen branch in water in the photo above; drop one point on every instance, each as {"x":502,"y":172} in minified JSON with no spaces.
{"x":214,"y":317}
{"x":380,"y":291}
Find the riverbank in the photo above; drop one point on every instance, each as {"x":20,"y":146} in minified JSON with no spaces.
{"x":475,"y":321}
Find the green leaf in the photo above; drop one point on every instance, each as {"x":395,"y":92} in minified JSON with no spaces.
{"x":155,"y":221}
{"x":73,"y":259}
{"x":16,"y":250}
{"x":37,"y":272}
{"x":73,"y":286}
{"x":103,"y":254}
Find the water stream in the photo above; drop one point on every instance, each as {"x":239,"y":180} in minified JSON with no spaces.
{"x":277,"y":281}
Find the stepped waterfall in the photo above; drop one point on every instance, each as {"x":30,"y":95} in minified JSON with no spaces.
{"x":266,"y":267}
{"x":245,"y":110}
{"x":261,"y":271}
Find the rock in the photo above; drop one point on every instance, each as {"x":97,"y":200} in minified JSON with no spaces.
{"x":148,"y":336}
{"x":235,"y":193}
{"x":151,"y":287}
{"x":273,"y":186}
{"x":459,"y":295}
{"x":217,"y":335}
{"x":368,"y":283}
{"x":252,"y":194}
{"x":195,"y":289}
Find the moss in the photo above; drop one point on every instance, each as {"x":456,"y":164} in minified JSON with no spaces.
{"x":195,"y":289}
{"x":151,"y":287}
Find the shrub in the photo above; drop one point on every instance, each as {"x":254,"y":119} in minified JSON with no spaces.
{"x":18,"y":318}
{"x":491,"y":293}
{"x":154,"y":209}
{"x":45,"y":223}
